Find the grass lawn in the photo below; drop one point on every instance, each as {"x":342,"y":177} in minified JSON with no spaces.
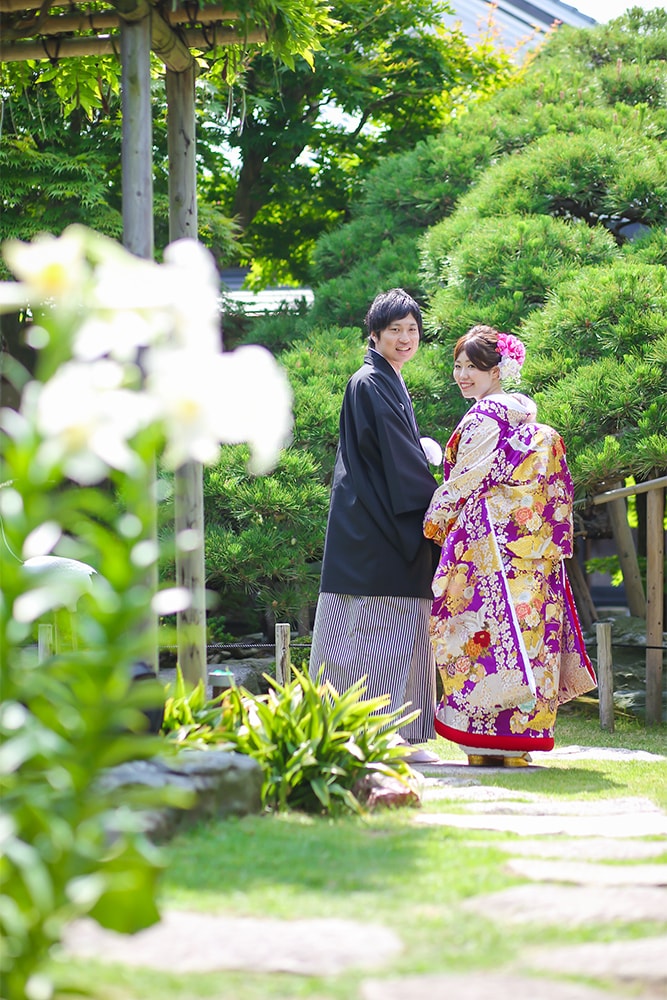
{"x":383,"y":870}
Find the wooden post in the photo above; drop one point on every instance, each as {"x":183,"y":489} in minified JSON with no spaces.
{"x":282,"y":652}
{"x":188,"y":485}
{"x":44,"y":642}
{"x":605,"y":674}
{"x":627,"y":554}
{"x":655,"y":534}
{"x":137,"y":191}
{"x":137,"y":140}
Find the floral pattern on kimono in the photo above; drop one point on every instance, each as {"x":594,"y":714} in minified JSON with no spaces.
{"x":504,"y":628}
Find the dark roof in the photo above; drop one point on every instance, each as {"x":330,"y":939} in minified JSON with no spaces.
{"x":518,"y":22}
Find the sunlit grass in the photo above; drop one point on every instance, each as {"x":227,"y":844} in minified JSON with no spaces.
{"x":384,"y":870}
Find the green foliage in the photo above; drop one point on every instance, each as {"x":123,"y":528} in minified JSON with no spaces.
{"x":314,"y":744}
{"x":505,"y":267}
{"x":319,"y":367}
{"x":190,"y":718}
{"x":276,"y":331}
{"x":587,"y":176}
{"x":398,"y":75}
{"x":64,"y":721}
{"x":264,"y":535}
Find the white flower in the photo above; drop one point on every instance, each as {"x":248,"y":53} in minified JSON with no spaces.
{"x":53,"y":268}
{"x":193,"y":278}
{"x":510,"y":371}
{"x":230,"y":398}
{"x":86,"y":417}
{"x":118,"y":335}
{"x":62,"y":582}
{"x":258,"y":406}
{"x":137,"y":303}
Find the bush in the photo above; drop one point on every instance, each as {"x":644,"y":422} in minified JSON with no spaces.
{"x":315,"y":744}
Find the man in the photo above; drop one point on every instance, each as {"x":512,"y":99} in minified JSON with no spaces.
{"x":373,"y":612}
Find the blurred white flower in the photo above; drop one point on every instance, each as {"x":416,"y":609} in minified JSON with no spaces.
{"x":231,"y":398}
{"x":258,"y":406}
{"x":86,"y":417}
{"x":170,"y":601}
{"x":62,"y":582}
{"x":138,"y":302}
{"x":195,"y":285}
{"x":53,"y":268}
{"x":117,"y":334}
{"x":165,"y":317}
{"x":42,"y":540}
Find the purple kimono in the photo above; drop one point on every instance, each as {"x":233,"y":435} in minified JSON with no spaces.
{"x":504,"y":628}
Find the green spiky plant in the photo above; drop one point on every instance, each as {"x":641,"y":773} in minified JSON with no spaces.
{"x":314,"y":744}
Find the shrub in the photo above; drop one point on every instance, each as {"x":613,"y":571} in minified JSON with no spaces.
{"x":314,"y":744}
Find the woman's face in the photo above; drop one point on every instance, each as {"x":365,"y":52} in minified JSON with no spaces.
{"x":473,"y":382}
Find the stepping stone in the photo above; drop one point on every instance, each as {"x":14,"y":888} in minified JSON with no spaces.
{"x":638,"y":825}
{"x":586,"y":850}
{"x":571,"y":906}
{"x":583,"y":873}
{"x":480,"y":985}
{"x":643,"y":961}
{"x":575,"y":752}
{"x":435,"y":791}
{"x":204,"y":942}
{"x":543,"y":806}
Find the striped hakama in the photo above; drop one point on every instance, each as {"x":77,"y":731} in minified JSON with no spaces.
{"x":385,"y":639}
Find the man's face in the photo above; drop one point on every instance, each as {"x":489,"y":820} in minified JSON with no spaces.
{"x":398,"y":342}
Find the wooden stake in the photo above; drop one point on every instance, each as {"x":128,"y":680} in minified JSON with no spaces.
{"x":605,"y":672}
{"x":44,"y":642}
{"x":655,"y":533}
{"x":282,"y":652}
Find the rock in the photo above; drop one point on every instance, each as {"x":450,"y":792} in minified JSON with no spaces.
{"x":376,"y":790}
{"x":213,"y":783}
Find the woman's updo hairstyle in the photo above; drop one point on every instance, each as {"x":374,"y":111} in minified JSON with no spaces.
{"x":479,"y":343}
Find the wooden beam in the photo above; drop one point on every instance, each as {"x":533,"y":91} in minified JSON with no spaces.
{"x":180,"y":14}
{"x":103,"y":21}
{"x":626,"y":491}
{"x":60,"y":48}
{"x":55,"y":48}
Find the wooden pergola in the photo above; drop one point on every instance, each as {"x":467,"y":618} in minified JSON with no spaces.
{"x":132,"y":29}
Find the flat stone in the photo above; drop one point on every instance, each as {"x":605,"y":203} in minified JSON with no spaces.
{"x":586,"y":849}
{"x":480,"y":985}
{"x":583,"y":873}
{"x":643,"y":961}
{"x":205,"y":942}
{"x":642,"y":825}
{"x":576,"y":752}
{"x":571,"y":906}
{"x":542,"y":806}
{"x":435,"y":791}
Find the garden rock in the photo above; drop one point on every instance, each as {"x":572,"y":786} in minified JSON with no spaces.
{"x":214,"y":783}
{"x":378,"y":790}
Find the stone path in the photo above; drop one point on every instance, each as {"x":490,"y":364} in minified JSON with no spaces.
{"x":604,"y":865}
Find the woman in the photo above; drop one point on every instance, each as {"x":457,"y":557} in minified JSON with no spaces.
{"x":504,"y":627}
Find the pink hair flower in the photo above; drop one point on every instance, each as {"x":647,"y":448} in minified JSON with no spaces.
{"x":509,"y":346}
{"x":512,"y":356}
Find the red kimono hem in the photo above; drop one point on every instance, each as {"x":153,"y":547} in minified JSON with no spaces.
{"x":478,"y":740}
